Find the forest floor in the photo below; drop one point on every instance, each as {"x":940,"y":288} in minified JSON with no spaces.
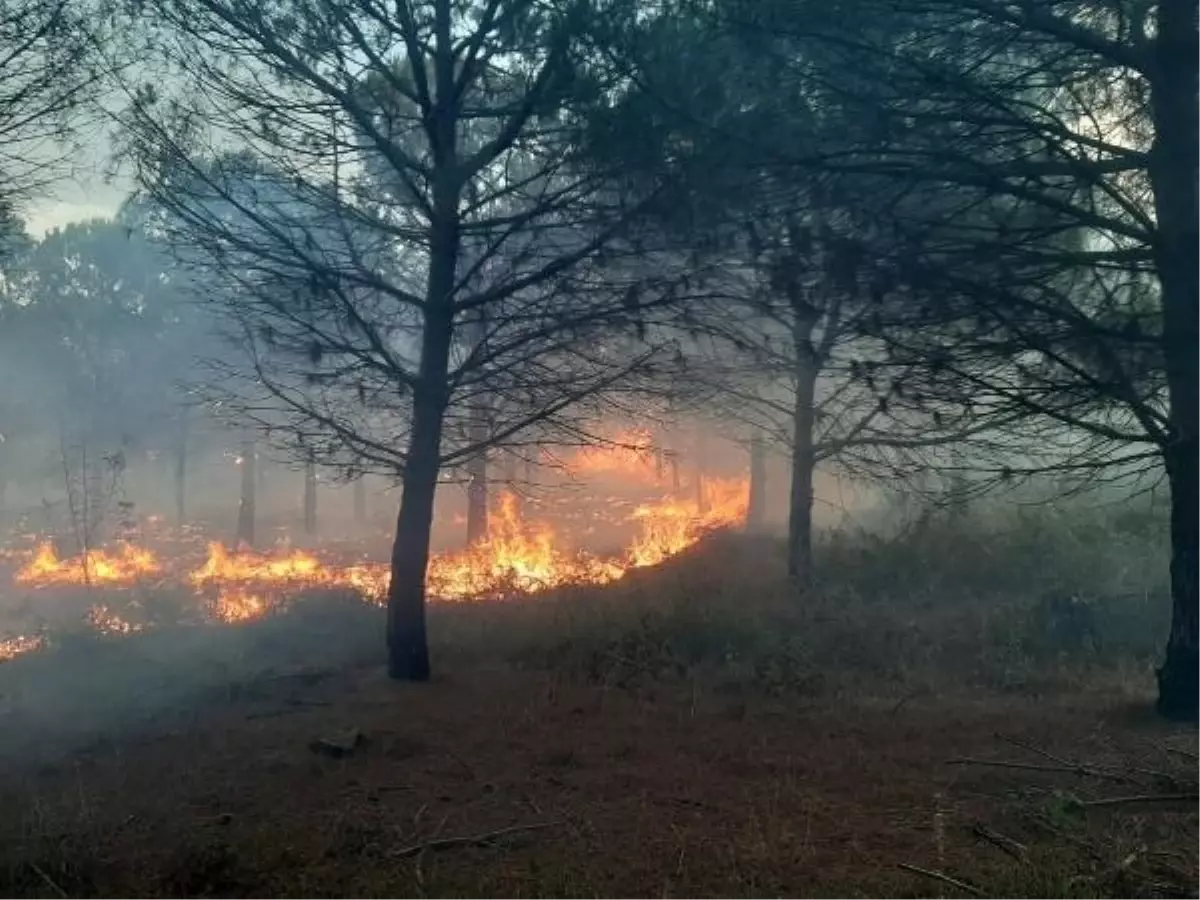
{"x":697,"y":731}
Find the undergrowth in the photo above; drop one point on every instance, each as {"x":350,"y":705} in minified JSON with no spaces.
{"x":1034,"y":600}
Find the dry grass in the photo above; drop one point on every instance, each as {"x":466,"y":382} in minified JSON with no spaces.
{"x":694,"y":731}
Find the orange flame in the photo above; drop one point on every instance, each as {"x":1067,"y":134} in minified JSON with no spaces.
{"x":631,"y":455}
{"x":129,"y":564}
{"x":670,"y":527}
{"x":517,"y":557}
{"x":240,"y":605}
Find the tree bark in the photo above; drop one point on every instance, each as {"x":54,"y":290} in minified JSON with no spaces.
{"x":1175,"y":96}
{"x":246,"y":505}
{"x":408,"y":647}
{"x":477,"y":465}
{"x":756,"y":510}
{"x":477,"y":498}
{"x":310,"y":498}
{"x":803,"y":453}
{"x":701,"y":464}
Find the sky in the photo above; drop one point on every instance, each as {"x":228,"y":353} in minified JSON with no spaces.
{"x":50,"y":214}
{"x":82,"y":191}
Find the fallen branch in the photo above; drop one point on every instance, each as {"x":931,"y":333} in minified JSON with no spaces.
{"x":1035,"y":767}
{"x":1166,"y":748}
{"x":477,"y":840}
{"x":1070,"y":764}
{"x":1015,"y":849}
{"x":1143,"y":798}
{"x":945,"y":879}
{"x":53,"y":885}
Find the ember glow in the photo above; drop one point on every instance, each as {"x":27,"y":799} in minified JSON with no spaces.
{"x":518,"y":557}
{"x":630,"y":455}
{"x":106,"y":621}
{"x":12,"y":647}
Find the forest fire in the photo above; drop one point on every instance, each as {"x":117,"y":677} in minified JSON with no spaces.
{"x":127,"y":565}
{"x":670,"y":527}
{"x":630,"y":455}
{"x":518,"y":557}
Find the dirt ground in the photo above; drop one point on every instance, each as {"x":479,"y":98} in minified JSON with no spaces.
{"x":662,"y":793}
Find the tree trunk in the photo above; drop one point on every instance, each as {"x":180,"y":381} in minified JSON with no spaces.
{"x":310,"y":498}
{"x":701,"y":471}
{"x":181,"y":448}
{"x":246,"y":505}
{"x":756,"y":510}
{"x":360,"y":500}
{"x":408,"y":648}
{"x":477,"y":465}
{"x":477,"y":498}
{"x":803,"y":455}
{"x":1175,"y":96}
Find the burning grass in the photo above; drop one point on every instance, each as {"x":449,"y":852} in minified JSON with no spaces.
{"x":518,"y":557}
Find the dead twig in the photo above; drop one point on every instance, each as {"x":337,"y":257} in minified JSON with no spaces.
{"x":1070,"y":764}
{"x":1037,"y":767}
{"x":1165,"y":748}
{"x":945,"y":879}
{"x":1013,"y":848}
{"x":1143,"y":798}
{"x":50,"y":882}
{"x":477,"y":840}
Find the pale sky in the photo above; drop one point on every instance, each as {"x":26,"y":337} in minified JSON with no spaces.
{"x":74,"y":200}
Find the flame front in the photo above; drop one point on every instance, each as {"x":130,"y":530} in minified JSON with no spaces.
{"x":515,"y":558}
{"x":670,"y":527}
{"x":127,"y":565}
{"x":518,"y":557}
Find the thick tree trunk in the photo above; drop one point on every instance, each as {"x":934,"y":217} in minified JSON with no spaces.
{"x":1175,"y":92}
{"x":310,"y":498}
{"x":408,"y":648}
{"x":756,"y":510}
{"x":803,"y":455}
{"x":246,"y":505}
